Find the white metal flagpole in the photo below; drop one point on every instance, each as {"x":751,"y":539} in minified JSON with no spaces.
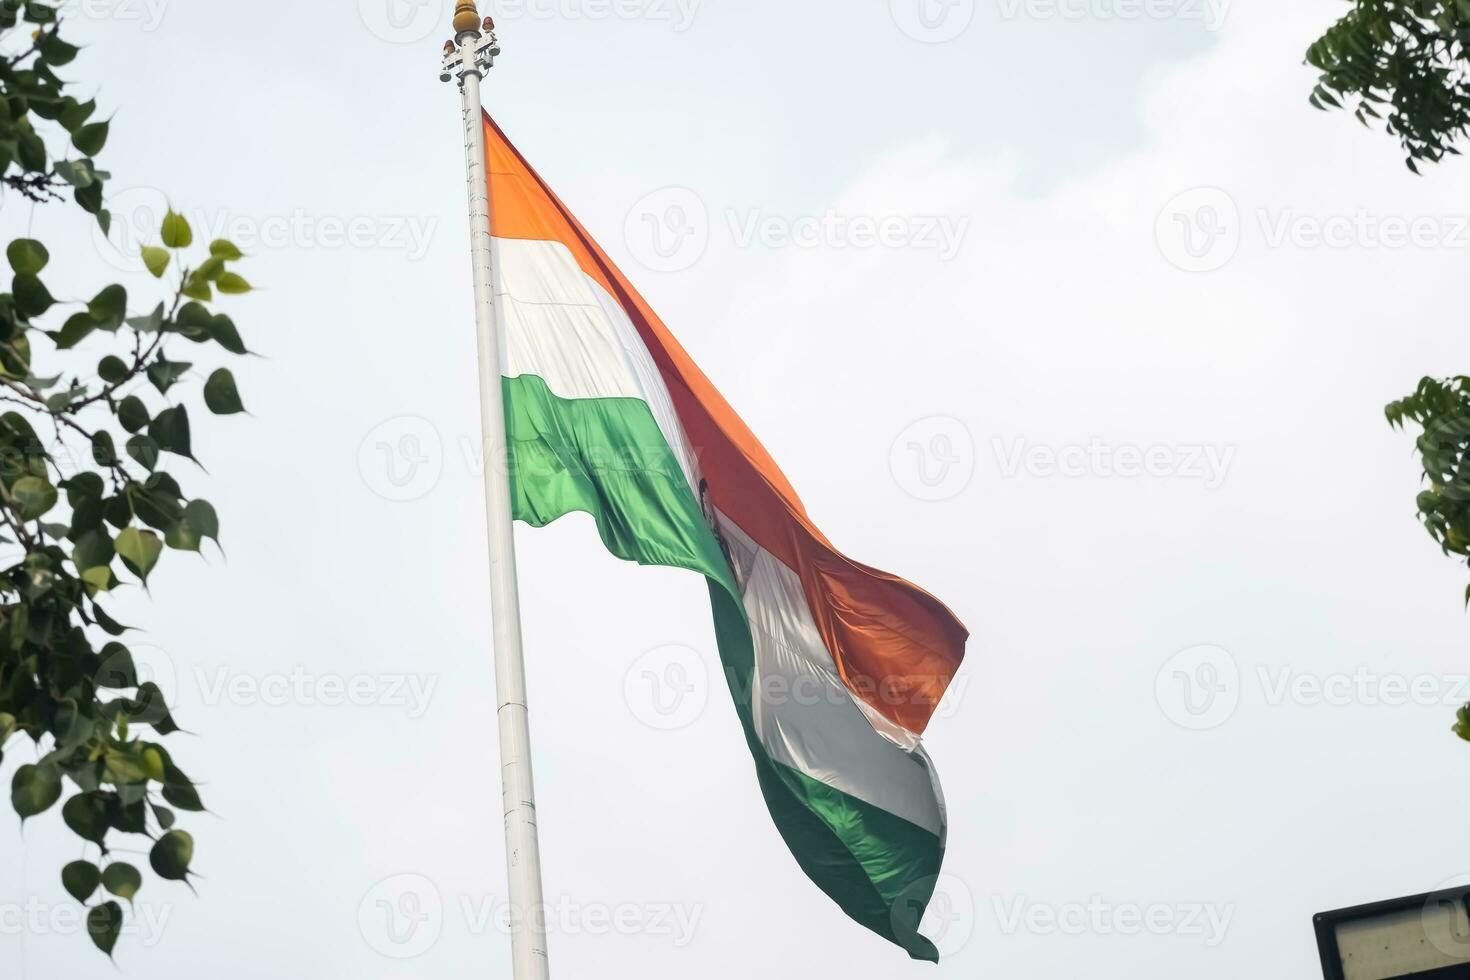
{"x":467,"y":58}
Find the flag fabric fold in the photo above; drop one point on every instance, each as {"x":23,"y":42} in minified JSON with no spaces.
{"x":835,"y":668}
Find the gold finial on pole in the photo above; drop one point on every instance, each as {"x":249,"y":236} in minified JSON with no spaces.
{"x":466,"y":18}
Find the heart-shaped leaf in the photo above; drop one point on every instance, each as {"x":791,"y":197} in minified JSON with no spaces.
{"x":80,"y":879}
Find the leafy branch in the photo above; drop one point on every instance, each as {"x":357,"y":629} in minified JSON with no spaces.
{"x":1402,"y":62}
{"x":93,"y":504}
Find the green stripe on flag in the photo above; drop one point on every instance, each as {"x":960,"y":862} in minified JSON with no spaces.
{"x":607,"y":457}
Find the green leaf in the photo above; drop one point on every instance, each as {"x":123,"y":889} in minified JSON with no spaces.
{"x":110,"y":625}
{"x":149,"y":323}
{"x":94,"y":549}
{"x":35,"y":789}
{"x":109,"y":307}
{"x":27,"y":256}
{"x":222,"y":331}
{"x":170,"y":429}
{"x":75,"y":330}
{"x":193,"y":321}
{"x":156,"y":259}
{"x":139,"y":551}
{"x":32,"y":298}
{"x":112,"y":369}
{"x":165,"y":373}
{"x":34,"y":495}
{"x":56,"y":51}
{"x":157,"y":502}
{"x":172,"y":855}
{"x":183,"y":795}
{"x":122,"y":880}
{"x":176,"y":231}
{"x":132,"y":413}
{"x":117,"y":510}
{"x":104,"y":452}
{"x":221,"y":395}
{"x":145,"y":450}
{"x":90,"y":199}
{"x":36,"y":13}
{"x":91,"y":138}
{"x":124,"y":768}
{"x":104,"y":925}
{"x":116,"y":670}
{"x":77,"y":113}
{"x":199,"y":522}
{"x":232,"y":284}
{"x":62,"y":400}
{"x":198,"y":288}
{"x":99,"y":579}
{"x":87,"y":817}
{"x":31,"y":150}
{"x":222,"y":249}
{"x":78,"y":173}
{"x":80,"y":879}
{"x":211,"y":268}
{"x":151,"y":708}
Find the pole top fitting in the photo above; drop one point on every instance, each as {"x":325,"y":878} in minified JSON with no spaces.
{"x":466,"y":18}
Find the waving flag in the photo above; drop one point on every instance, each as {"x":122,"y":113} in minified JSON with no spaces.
{"x":607,"y":414}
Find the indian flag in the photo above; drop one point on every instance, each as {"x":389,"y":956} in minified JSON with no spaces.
{"x":607,"y":414}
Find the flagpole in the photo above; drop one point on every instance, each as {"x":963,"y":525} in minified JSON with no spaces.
{"x":467,"y":58}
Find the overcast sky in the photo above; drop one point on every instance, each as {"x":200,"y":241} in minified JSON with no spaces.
{"x":1071,"y":311}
